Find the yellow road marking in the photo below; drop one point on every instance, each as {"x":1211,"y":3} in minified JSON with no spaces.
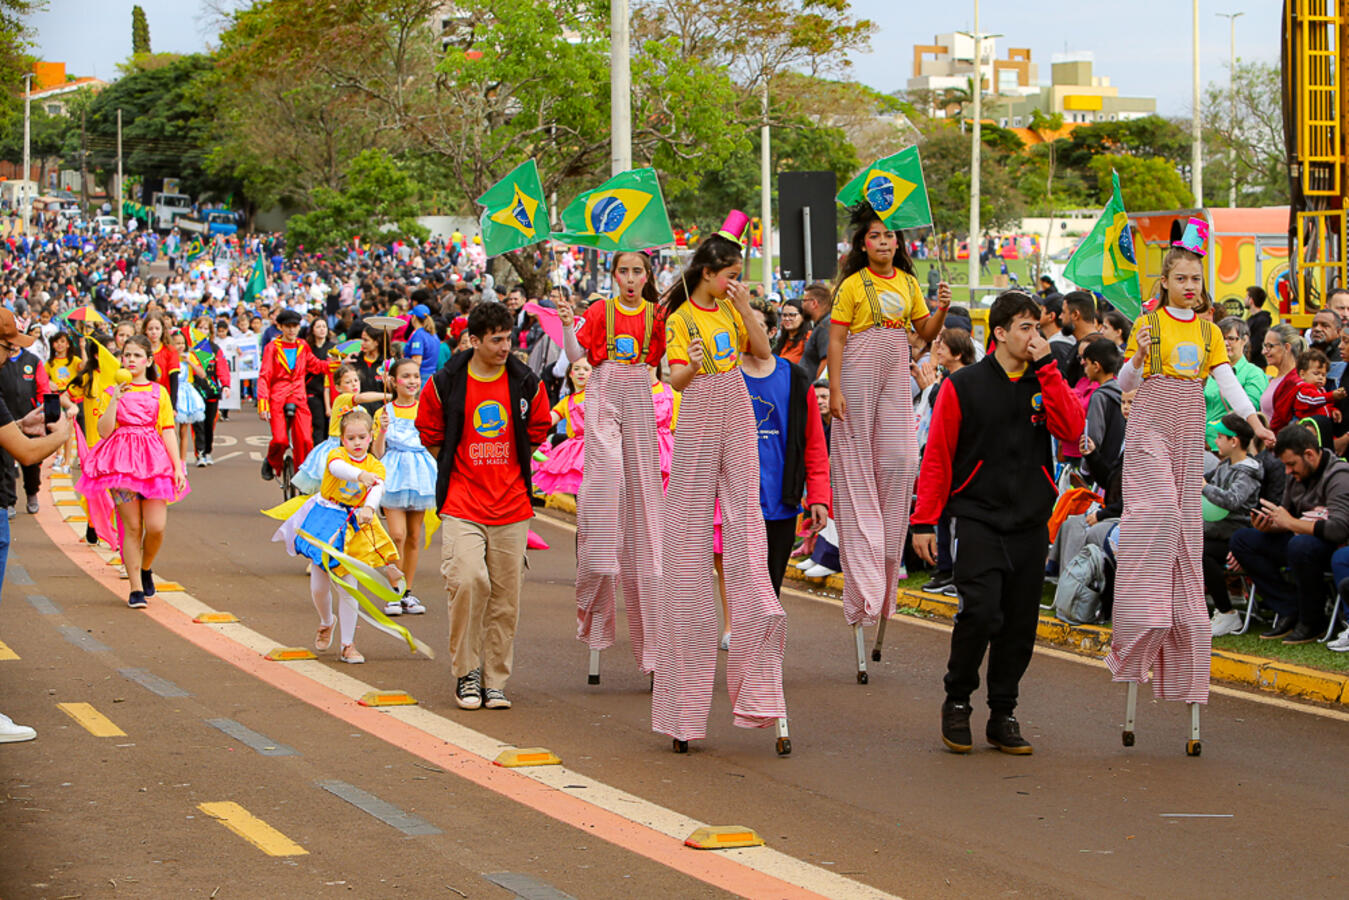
{"x":6,"y":653}
{"x":93,"y":721}
{"x":252,"y":829}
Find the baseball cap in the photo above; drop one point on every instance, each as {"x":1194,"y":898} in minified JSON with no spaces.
{"x":9,"y":331}
{"x":421,"y":310}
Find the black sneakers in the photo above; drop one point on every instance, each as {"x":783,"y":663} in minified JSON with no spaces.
{"x":148,"y":582}
{"x":496,"y":699}
{"x":1282,"y":626}
{"x":1004,"y":732}
{"x":1304,"y":634}
{"x":468,"y":690}
{"x":267,"y":473}
{"x":955,"y":727}
{"x":137,"y":600}
{"x":939,"y":583}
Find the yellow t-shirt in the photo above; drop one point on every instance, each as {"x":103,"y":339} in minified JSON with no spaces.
{"x":60,"y":372}
{"x":722,"y":331}
{"x":348,"y":493}
{"x":341,"y":406}
{"x":1184,"y":353}
{"x":900,"y":299}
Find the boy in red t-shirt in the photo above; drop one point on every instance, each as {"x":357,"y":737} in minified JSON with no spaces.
{"x":481,"y":416}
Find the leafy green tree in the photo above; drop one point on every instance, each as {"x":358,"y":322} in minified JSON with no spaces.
{"x":946,"y":166}
{"x":16,"y":42}
{"x":1249,"y":147}
{"x":378,"y":202}
{"x":140,"y":31}
{"x":1146,"y":182}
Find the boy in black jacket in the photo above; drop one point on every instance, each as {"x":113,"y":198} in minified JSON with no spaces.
{"x":989,"y":464}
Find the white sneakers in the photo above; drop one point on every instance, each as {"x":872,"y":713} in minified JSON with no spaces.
{"x":1341,"y":643}
{"x":11,"y":733}
{"x":1224,"y":623}
{"x":819,"y":571}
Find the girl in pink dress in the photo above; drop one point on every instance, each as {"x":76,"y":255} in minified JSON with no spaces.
{"x":560,"y":472}
{"x":137,"y":467}
{"x":666,"y":401}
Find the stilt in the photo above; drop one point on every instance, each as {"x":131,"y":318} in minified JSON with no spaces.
{"x":1192,"y":746}
{"x":861,"y":654}
{"x":784,"y":739}
{"x":681,"y":746}
{"x":594,"y":667}
{"x":880,"y":639}
{"x":1130,"y":709}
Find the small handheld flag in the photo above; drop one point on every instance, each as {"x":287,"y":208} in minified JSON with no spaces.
{"x":895,"y":188}
{"x":516,"y":213}
{"x":627,"y":212}
{"x":1105,"y":262}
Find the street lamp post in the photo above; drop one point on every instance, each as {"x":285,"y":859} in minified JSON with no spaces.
{"x":1232,"y":96}
{"x":1197,"y":151}
{"x":620,"y":88}
{"x":973,"y":261}
{"x":766,"y":201}
{"x":26,"y":196}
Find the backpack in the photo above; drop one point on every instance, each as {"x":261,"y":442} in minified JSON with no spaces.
{"x":1082,"y":583}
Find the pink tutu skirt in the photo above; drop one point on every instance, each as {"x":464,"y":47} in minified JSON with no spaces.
{"x":561,"y":472}
{"x":130,"y":459}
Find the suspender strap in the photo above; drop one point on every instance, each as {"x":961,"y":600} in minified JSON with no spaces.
{"x":1206,"y":334}
{"x":873,"y":300}
{"x":611,"y":315}
{"x":1154,"y":322}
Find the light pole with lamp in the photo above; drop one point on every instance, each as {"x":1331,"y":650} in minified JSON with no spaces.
{"x":1196,"y":132}
{"x":1232,"y":95}
{"x":26,"y":195}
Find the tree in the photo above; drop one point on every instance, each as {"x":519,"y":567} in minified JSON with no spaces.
{"x":140,"y":31}
{"x":378,"y":203}
{"x":946,"y":167}
{"x":16,"y":40}
{"x":1253,"y":140}
{"x":1146,"y":182}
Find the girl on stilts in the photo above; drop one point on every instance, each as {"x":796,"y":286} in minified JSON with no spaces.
{"x":716,"y":458}
{"x":345,"y":516}
{"x":1160,"y":622}
{"x":874,"y":451}
{"x":618,"y":507}
{"x":409,"y":480}
{"x":138,"y":465}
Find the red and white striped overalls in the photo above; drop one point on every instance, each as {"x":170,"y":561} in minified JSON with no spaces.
{"x":716,"y":457}
{"x":873,"y":459}
{"x":1159,"y":622}
{"x":618,"y":509}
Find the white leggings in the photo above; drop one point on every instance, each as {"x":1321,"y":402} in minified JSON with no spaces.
{"x":320,"y":588}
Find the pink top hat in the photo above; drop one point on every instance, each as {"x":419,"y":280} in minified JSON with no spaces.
{"x":735,"y":226}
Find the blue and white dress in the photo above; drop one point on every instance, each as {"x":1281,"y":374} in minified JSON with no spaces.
{"x":190,"y":408}
{"x":409,"y":469}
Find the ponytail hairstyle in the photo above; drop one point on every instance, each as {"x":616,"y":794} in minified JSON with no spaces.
{"x":85,"y":376}
{"x":649,"y":293}
{"x":140,"y":340}
{"x":856,"y":259}
{"x":1173,"y":256}
{"x":1242,"y":431}
{"x":714,"y":253}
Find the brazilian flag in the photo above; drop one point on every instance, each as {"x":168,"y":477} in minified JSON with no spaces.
{"x":627,"y":212}
{"x":1104,"y":261}
{"x":516,"y":213}
{"x":194,"y":249}
{"x":895,"y":188}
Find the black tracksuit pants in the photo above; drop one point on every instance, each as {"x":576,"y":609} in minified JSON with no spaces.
{"x":781,"y":534}
{"x":999,"y":578}
{"x":32,"y":480}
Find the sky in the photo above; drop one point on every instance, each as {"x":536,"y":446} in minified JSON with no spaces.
{"x":1142,"y":46}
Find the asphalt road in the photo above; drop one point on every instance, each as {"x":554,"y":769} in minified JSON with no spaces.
{"x":868,"y":793}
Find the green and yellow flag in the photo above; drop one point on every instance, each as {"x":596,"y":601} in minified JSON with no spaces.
{"x":1104,"y":261}
{"x":193,"y":249}
{"x":257,"y":282}
{"x":627,"y":212}
{"x":895,"y":188}
{"x":516,"y":213}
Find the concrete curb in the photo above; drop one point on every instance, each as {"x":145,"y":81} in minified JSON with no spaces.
{"x":1274,"y":676}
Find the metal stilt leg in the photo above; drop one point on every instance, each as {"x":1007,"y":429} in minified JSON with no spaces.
{"x":880,"y":639}
{"x":784,"y":739}
{"x":1130,"y":709}
{"x":1192,"y":746}
{"x":861,"y":654}
{"x":594,"y":668}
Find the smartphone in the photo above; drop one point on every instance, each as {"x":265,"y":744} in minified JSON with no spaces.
{"x":51,"y":407}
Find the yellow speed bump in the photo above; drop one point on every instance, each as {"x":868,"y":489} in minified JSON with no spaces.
{"x":77,"y":518}
{"x":168,"y":586}
{"x":723,"y":837}
{"x":252,"y":829}
{"x":6,"y":653}
{"x":387,"y":698}
{"x":290,"y":654}
{"x":528,"y":756}
{"x":74,"y":503}
{"x":213,"y":618}
{"x":93,"y":721}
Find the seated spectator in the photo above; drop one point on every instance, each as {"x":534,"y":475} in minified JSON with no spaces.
{"x":1299,"y":536}
{"x":1103,"y":438}
{"x":1230,"y":493}
{"x":1253,"y":380}
{"x":1312,"y":398}
{"x":1324,"y":335}
{"x":1282,"y":347}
